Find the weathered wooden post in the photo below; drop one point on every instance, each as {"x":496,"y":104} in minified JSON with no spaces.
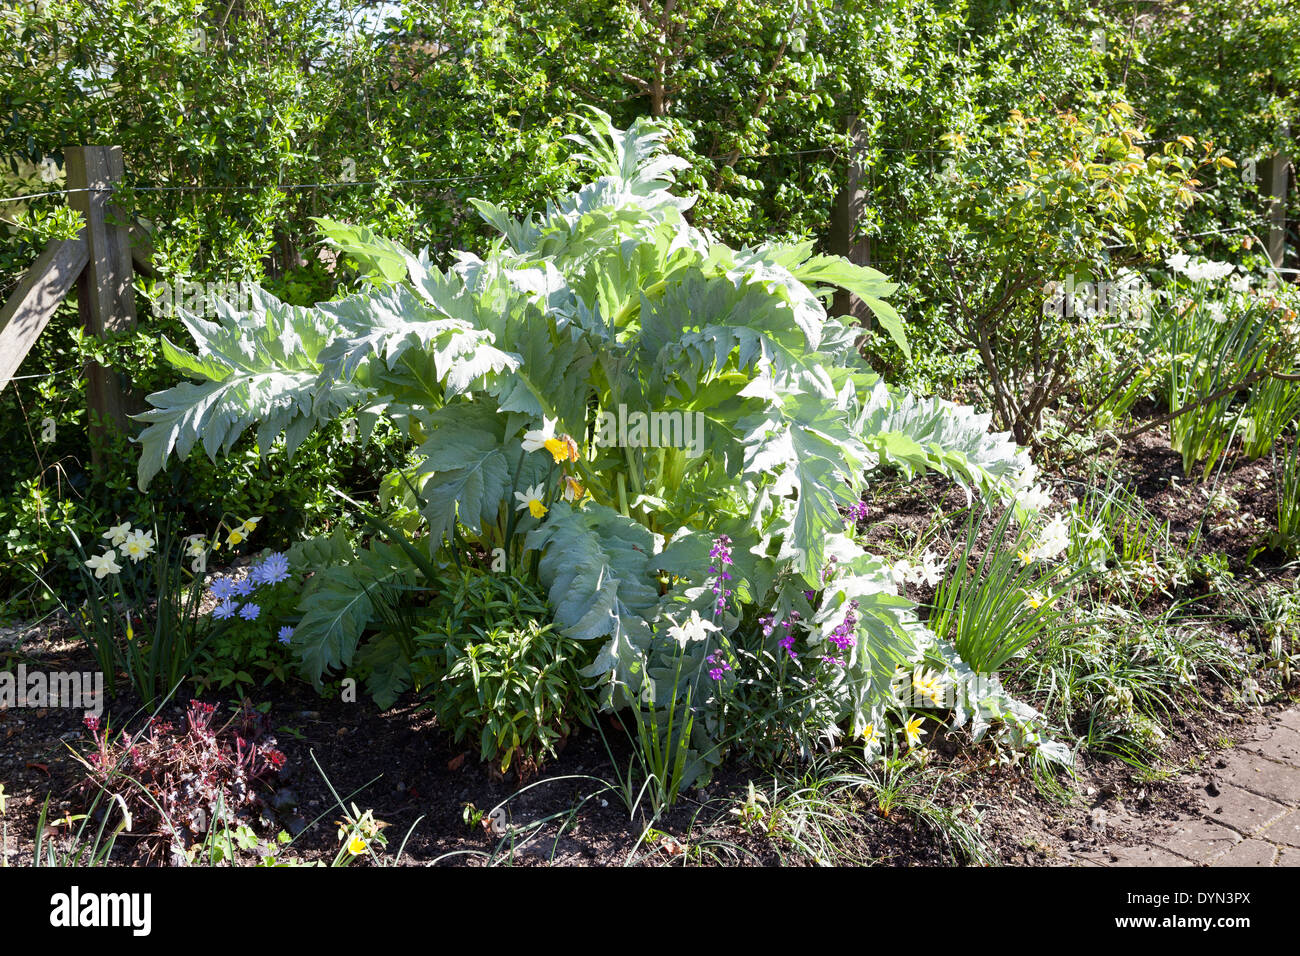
{"x":1278,"y":181}
{"x":850,"y":203}
{"x":105,"y":297}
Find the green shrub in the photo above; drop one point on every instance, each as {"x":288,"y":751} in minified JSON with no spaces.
{"x":515,"y":687}
{"x":528,"y":380}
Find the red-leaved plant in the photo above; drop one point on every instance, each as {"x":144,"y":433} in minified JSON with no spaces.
{"x":176,"y":785}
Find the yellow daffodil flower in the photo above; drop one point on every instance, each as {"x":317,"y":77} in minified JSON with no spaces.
{"x":249,"y":524}
{"x":532,"y":500}
{"x":356,"y":846}
{"x":235,"y":536}
{"x":558,"y":449}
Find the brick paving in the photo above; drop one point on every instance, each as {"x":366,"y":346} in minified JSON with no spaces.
{"x":1249,"y":811}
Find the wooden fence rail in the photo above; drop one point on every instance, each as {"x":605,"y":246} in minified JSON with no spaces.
{"x":99,"y":263}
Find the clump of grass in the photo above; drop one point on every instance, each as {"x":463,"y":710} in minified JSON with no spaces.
{"x":820,"y":815}
{"x":1117,"y":681}
{"x":1287,"y":537}
{"x":992,"y":605}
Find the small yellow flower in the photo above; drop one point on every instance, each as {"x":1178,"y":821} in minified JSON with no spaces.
{"x":871,"y":735}
{"x":1034,"y":600}
{"x":913,"y":732}
{"x":1026,"y":556}
{"x":927,"y":686}
{"x":235,"y":537}
{"x":249,"y":524}
{"x":356,"y":846}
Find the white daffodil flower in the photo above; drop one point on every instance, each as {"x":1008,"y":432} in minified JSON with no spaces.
{"x":1034,"y":499}
{"x":930,"y":571}
{"x":116,"y":535}
{"x":138,"y":545}
{"x":104,"y":565}
{"x":536,"y":439}
{"x":1053,"y":540}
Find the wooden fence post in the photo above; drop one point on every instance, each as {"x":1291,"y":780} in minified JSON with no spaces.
{"x":849,"y":206}
{"x":1279,"y":169}
{"x":105,"y":297}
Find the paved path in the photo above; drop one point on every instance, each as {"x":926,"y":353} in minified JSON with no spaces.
{"x":1249,"y":810}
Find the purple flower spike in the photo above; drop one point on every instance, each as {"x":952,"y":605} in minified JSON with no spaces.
{"x":721,"y":555}
{"x":719,"y":665}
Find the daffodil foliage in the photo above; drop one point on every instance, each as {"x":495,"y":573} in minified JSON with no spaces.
{"x":602,"y":396}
